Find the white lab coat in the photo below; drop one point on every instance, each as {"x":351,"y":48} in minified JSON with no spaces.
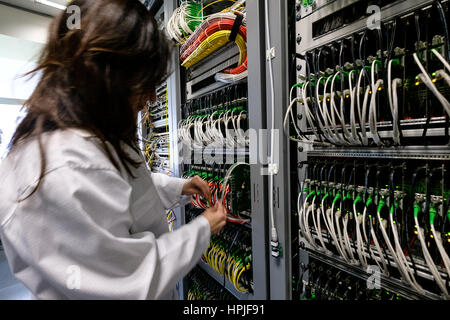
{"x":91,"y":231}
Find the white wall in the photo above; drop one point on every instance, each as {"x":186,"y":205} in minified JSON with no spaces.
{"x":12,"y":83}
{"x":22,"y":37}
{"x":23,"y":24}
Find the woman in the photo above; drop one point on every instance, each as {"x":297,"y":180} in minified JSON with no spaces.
{"x":80,"y":216}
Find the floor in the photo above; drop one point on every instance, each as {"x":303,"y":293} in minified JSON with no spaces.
{"x":10,"y":287}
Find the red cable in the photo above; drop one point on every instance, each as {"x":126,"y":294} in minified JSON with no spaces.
{"x":218,"y":26}
{"x":209,"y":29}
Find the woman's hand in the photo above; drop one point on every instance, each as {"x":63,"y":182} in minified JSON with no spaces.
{"x":197,"y":185}
{"x":217,"y":218}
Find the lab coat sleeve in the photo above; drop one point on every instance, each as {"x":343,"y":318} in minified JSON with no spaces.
{"x":77,"y":241}
{"x":169,"y":190}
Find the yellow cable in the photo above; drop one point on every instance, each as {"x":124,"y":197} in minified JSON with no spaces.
{"x":208,"y":256}
{"x":214,"y":2}
{"x":212,"y":258}
{"x":230,"y":263}
{"x":213,"y":43}
{"x":238,"y":278}
{"x":222,"y":262}
{"x":167,"y":124}
{"x":217,"y":260}
{"x":235,"y":275}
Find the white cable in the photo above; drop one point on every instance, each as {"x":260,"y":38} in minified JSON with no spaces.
{"x":378,"y":247}
{"x":438,"y":240}
{"x":329,"y":218}
{"x":333,"y":110}
{"x":444,"y":75}
{"x":393,"y":102}
{"x":429,"y":260}
{"x":272,"y":127}
{"x":324,"y":216}
{"x":338,"y":237}
{"x":338,"y":137}
{"x":326,"y":115}
{"x":317,"y":226}
{"x":306,"y":209}
{"x":231,"y":78}
{"x":337,"y":218}
{"x":383,"y":226}
{"x":366,"y":239}
{"x":373,"y":106}
{"x":323,"y":126}
{"x":440,"y":57}
{"x":352,"y":90}
{"x":300,"y":214}
{"x":285,"y":124}
{"x":361,"y":112}
{"x":345,"y":131}
{"x":425,"y":78}
{"x":402,"y":262}
{"x":347,"y":241}
{"x":309,"y":114}
{"x":359,"y":242}
{"x":311,"y":209}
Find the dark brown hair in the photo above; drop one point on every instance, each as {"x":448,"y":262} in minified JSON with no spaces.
{"x":92,"y":77}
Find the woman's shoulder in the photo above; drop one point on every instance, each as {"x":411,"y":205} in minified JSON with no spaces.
{"x":68,"y":147}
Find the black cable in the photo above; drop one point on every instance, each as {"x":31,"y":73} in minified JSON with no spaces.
{"x":418,"y":34}
{"x":318,"y":61}
{"x":409,"y":212}
{"x":445,"y":26}
{"x":417,"y":24}
{"x":380,"y":168}
{"x":314,"y":101}
{"x":366,"y":186}
{"x":314,"y":104}
{"x":392,"y":40}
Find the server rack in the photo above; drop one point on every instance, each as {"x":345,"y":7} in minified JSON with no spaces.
{"x":323,"y":262}
{"x":191,"y":86}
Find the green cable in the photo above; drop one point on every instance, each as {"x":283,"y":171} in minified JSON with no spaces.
{"x":326,"y":196}
{"x":433,"y":213}
{"x":310,"y":194}
{"x":347,"y":196}
{"x":369,"y":201}
{"x":358,"y":199}
{"x":381,"y":204}
{"x":395,"y":205}
{"x":337,"y":197}
{"x":416,"y":209}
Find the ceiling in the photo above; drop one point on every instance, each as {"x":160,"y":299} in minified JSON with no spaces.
{"x":32,"y":5}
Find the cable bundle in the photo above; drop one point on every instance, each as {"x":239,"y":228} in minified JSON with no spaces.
{"x":203,"y":287}
{"x":220,"y":193}
{"x":363,"y":223}
{"x":171,"y":217}
{"x":208,"y":129}
{"x":212,"y":35}
{"x":231,"y":259}
{"x":342,"y":104}
{"x":185,"y":19}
